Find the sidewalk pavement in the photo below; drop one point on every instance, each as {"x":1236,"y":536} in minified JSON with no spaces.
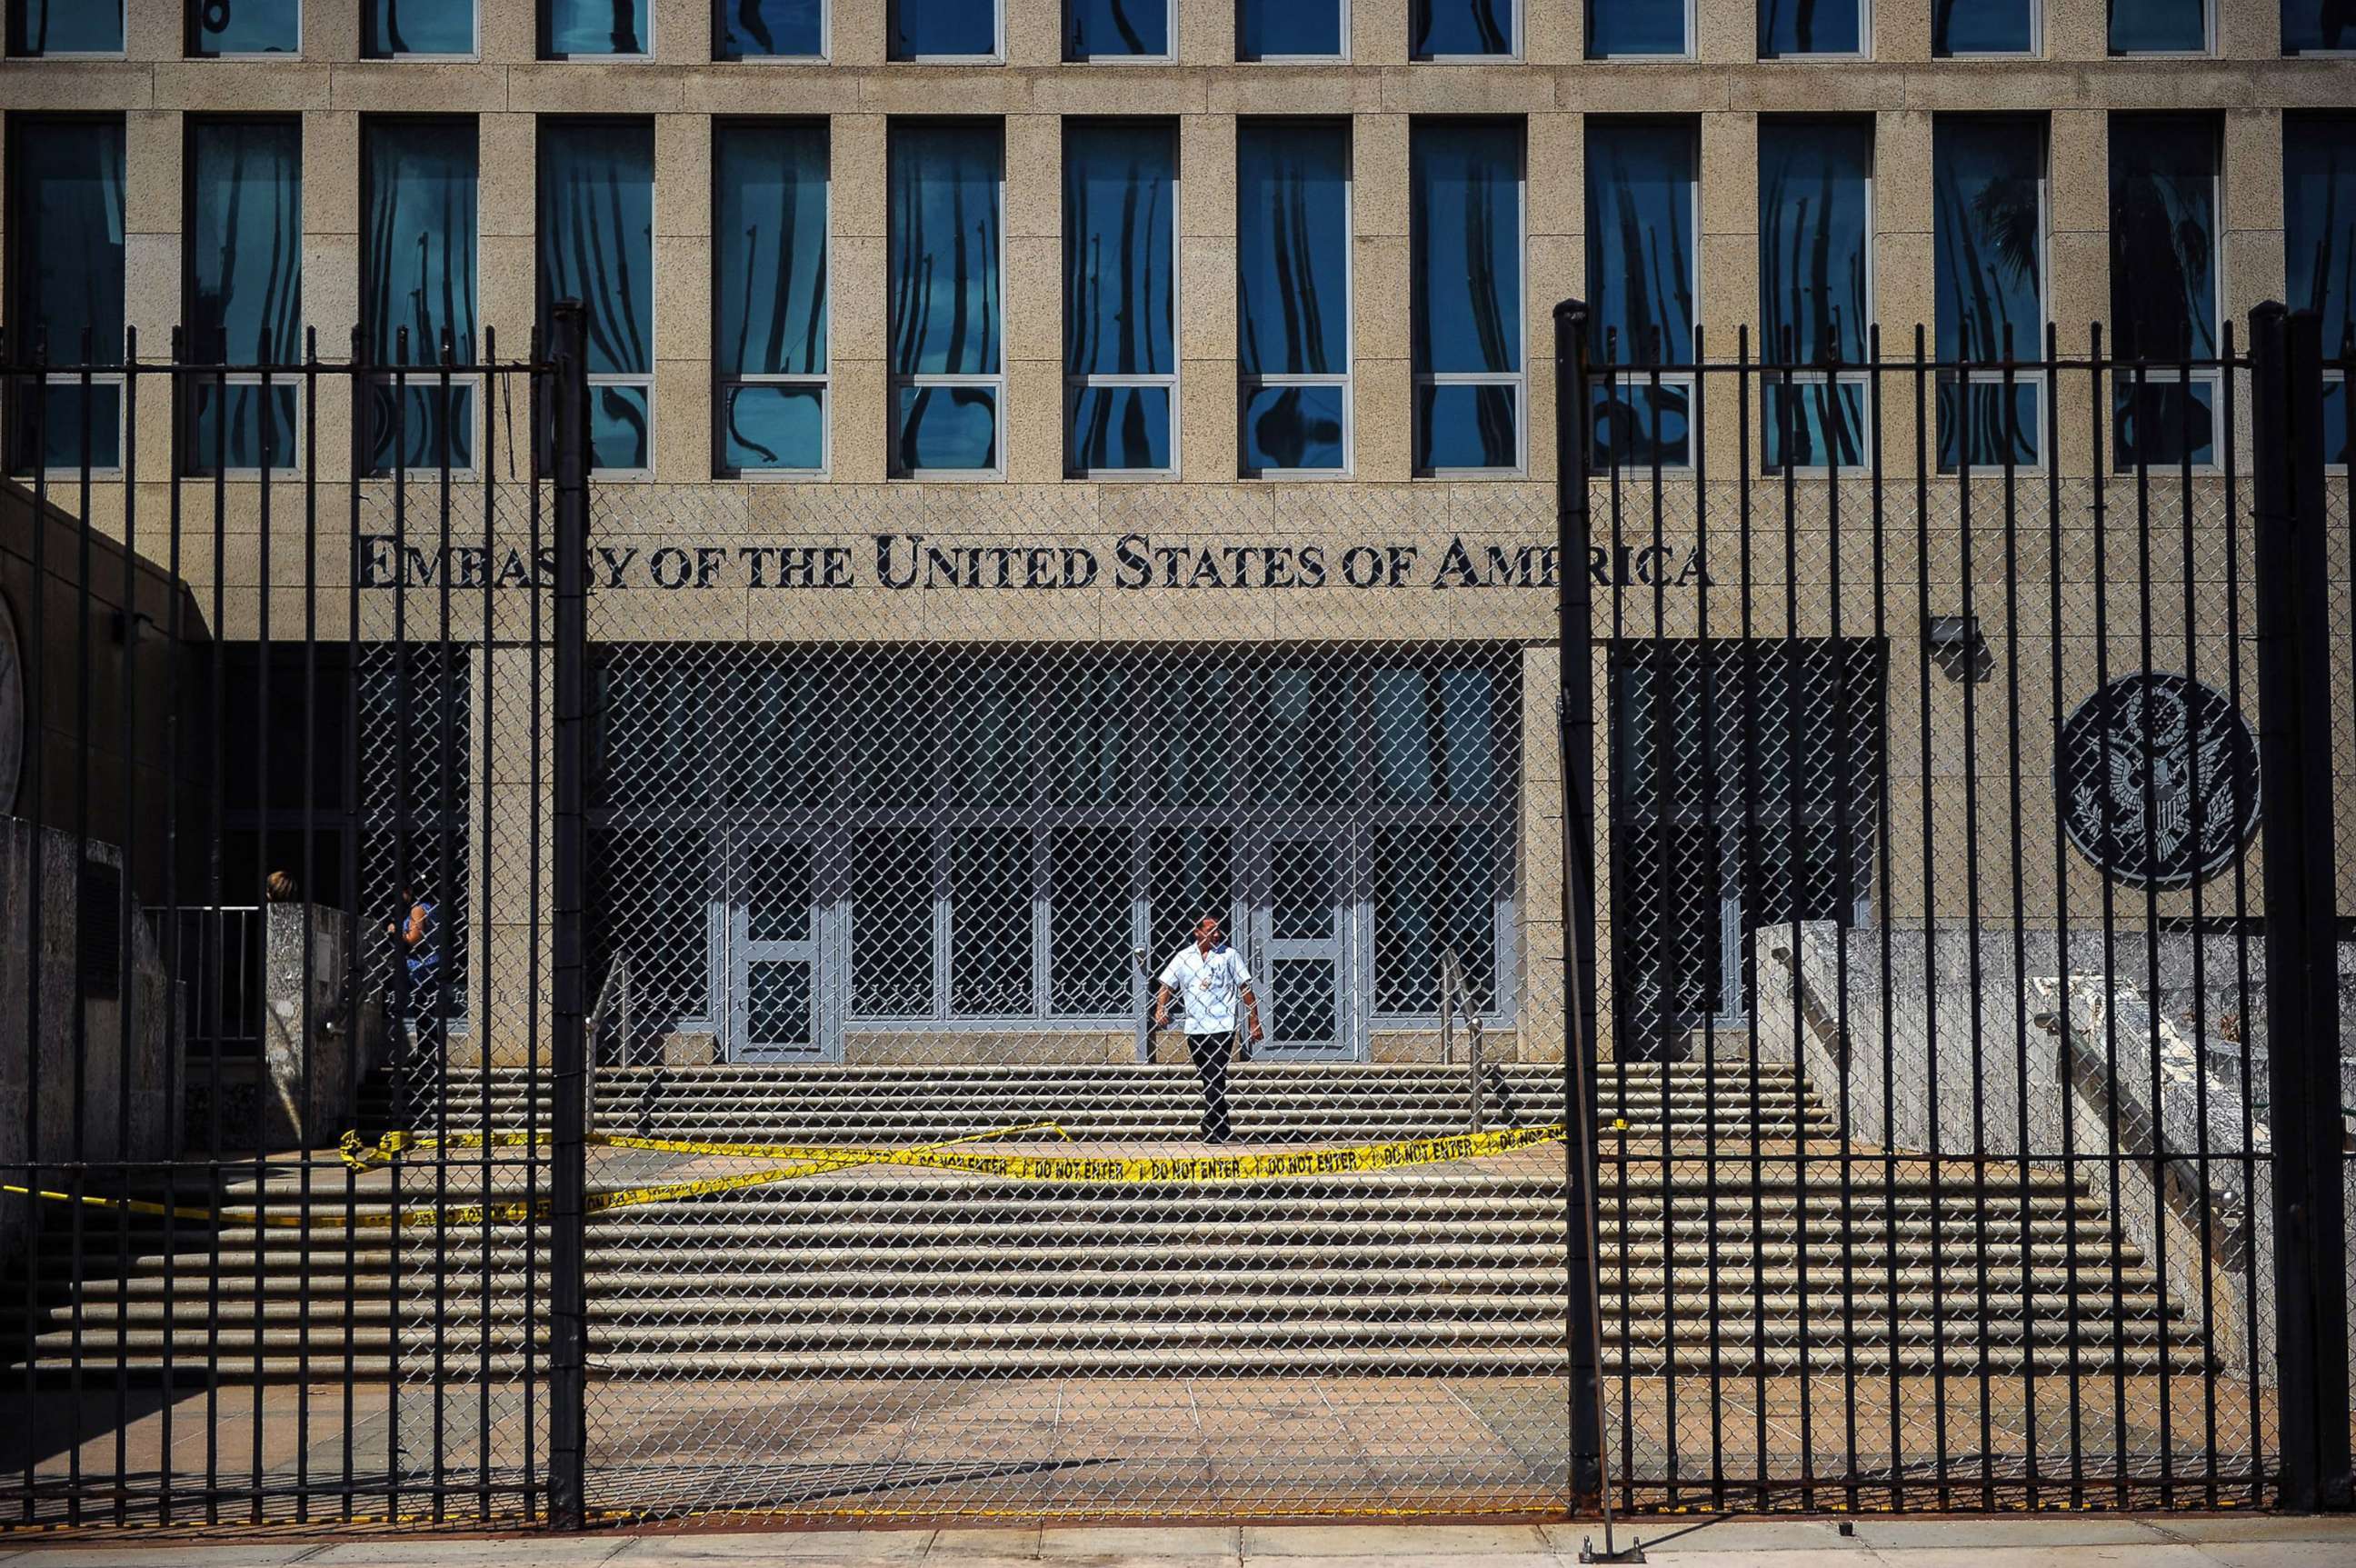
{"x":2149,"y":1542}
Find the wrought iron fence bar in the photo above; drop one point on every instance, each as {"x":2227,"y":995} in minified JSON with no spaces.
{"x":2308,"y":1139}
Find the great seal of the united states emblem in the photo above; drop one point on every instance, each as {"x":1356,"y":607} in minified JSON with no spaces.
{"x":2159,"y":780}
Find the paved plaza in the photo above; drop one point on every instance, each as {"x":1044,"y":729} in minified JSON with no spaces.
{"x":2180,"y":1542}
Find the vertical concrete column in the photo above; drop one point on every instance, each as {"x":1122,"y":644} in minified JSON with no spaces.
{"x":331,"y":32}
{"x":1034,"y":32}
{"x":855,"y":32}
{"x":1728,"y":275}
{"x":1033,"y":421}
{"x":331,"y":268}
{"x":2254,"y":256}
{"x":509,"y":34}
{"x":683,"y":31}
{"x":1900,"y":30}
{"x":2077,"y":29}
{"x":1206,"y":32}
{"x":504,"y":818}
{"x":1556,"y":165}
{"x":682,"y":339}
{"x":2248,"y":32}
{"x":151,"y":32}
{"x":1380,"y":400}
{"x":1208,"y":420}
{"x":1725,"y":35}
{"x":507,"y":194}
{"x":2079,"y":270}
{"x":1553,"y":31}
{"x":1539,"y":884}
{"x":857,"y":324}
{"x":1904,"y":287}
{"x":1377,"y":33}
{"x":153,"y":147}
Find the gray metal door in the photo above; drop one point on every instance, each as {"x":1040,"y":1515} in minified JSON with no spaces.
{"x":1299,"y":886}
{"x":782,"y":1002}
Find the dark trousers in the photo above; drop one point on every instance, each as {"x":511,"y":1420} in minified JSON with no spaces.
{"x":425,"y":1009}
{"x":1210,"y":1054}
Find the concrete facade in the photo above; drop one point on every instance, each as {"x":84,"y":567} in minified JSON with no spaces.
{"x":1381,"y":504}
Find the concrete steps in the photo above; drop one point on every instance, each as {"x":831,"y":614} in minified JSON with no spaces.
{"x":1270,"y":1101}
{"x":1725,"y":1266}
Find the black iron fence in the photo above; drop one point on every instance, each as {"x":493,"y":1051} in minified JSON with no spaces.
{"x":1933,"y":905}
{"x":281,"y":639}
{"x":1966,"y":743}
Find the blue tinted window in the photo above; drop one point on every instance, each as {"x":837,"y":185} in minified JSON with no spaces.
{"x":751,"y":29}
{"x":1983,"y":26}
{"x":245,"y":241}
{"x":249,"y":27}
{"x":945,"y":249}
{"x":65,"y":27}
{"x":944,"y":257}
{"x":1617,"y":27}
{"x":1987,"y":236}
{"x":1443,"y":28}
{"x":592,"y":27}
{"x":924,"y":29}
{"x":417,"y":238}
{"x":245,"y":299}
{"x":417,"y":277}
{"x":1119,"y":289}
{"x":769,"y":225}
{"x":1641,"y":177}
{"x":1276,"y":29}
{"x":2317,"y":25}
{"x":2159,"y":27}
{"x":1293,"y":209}
{"x":1641,"y":271}
{"x":1120,"y":191}
{"x":2164,"y":236}
{"x":2319,"y":222}
{"x":1465,"y":302}
{"x":65,"y":227}
{"x":1814,"y":262}
{"x":2163,"y":283}
{"x":65,"y":222}
{"x":1815,"y":272}
{"x":597,"y":245}
{"x":393,"y":27}
{"x":1114,"y":29}
{"x":1811,"y":27}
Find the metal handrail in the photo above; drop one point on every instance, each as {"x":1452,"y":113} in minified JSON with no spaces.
{"x":1482,"y":1078}
{"x":1456,"y":998}
{"x":617,"y":979}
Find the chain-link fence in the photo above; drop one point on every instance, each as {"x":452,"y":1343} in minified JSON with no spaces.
{"x":1083,"y":999}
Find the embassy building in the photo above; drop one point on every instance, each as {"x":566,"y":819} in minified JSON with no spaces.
{"x":1064,"y":466}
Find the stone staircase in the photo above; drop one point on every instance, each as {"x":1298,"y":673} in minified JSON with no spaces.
{"x":1715,"y":1256}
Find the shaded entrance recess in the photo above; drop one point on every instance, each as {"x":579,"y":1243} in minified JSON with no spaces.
{"x":795,"y":849}
{"x":1746,"y":791}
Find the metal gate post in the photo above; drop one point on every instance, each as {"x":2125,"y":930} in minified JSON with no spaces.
{"x":568,"y":385}
{"x":1575,"y":720}
{"x":2304,"y":1114}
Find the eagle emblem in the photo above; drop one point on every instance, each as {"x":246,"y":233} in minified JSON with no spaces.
{"x":2159,"y":780}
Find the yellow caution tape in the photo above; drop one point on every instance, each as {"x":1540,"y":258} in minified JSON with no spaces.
{"x":798,"y":1160}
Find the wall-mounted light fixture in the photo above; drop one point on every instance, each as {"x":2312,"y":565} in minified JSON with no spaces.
{"x":1957,"y":647}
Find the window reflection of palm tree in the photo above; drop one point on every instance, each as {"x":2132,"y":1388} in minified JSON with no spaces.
{"x":2164,"y":224}
{"x":736,"y":431}
{"x":1994,"y":241}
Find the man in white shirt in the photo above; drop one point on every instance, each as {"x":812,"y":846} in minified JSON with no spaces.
{"x":1207,"y":977}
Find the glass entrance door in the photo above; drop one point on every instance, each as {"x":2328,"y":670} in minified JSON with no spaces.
{"x":1298,"y":888}
{"x":781,"y":1006}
